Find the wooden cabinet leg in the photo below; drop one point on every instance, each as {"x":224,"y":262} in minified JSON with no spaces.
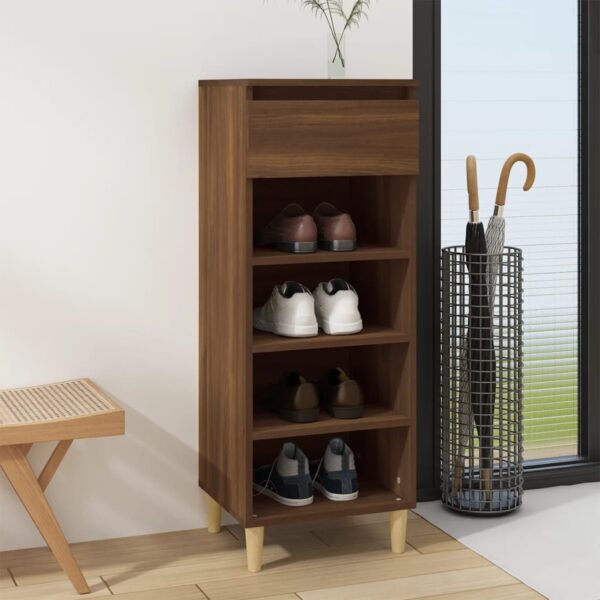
{"x":398,"y":530}
{"x":213,"y":511}
{"x":19,"y":473}
{"x":254,"y":548}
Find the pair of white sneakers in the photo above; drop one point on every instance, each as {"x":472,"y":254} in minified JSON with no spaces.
{"x":293,"y":311}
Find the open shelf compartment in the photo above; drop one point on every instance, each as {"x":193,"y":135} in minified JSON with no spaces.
{"x":384,"y":373}
{"x":379,"y":206}
{"x":385,"y":477}
{"x":384,"y":301}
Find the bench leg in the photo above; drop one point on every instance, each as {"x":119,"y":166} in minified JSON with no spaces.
{"x":53,"y":463}
{"x":19,"y":473}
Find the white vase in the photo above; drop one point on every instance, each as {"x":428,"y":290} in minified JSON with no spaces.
{"x":336,"y":61}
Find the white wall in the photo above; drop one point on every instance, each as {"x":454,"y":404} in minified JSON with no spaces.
{"x":98,"y":222}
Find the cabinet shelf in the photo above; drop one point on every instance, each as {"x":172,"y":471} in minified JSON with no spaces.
{"x":267,"y":425}
{"x":372,"y":498}
{"x":365,"y":252}
{"x":370,"y":335}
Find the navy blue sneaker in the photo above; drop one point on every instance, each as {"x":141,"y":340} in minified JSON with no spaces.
{"x":288,"y":479}
{"x":335,"y":474}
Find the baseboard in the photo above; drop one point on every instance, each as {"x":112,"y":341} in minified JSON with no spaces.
{"x":567,"y":474}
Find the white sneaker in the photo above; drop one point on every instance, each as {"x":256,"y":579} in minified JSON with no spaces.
{"x":290,"y":311}
{"x":336,"y":307}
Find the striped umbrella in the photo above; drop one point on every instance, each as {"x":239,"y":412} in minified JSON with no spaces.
{"x":494,"y":235}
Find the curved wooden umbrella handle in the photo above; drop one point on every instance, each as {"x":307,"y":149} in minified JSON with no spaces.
{"x":505,"y":174}
{"x":472,"y":186}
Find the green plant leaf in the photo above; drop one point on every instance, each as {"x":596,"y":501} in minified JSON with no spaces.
{"x":315,"y":6}
{"x":359,"y":10}
{"x":337,"y":8}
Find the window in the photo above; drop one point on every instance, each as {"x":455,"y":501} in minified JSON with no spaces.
{"x":510,"y":83}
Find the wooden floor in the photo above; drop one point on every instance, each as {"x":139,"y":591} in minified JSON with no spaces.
{"x":345,"y":559}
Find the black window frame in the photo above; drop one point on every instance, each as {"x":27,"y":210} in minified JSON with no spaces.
{"x":426,"y":58}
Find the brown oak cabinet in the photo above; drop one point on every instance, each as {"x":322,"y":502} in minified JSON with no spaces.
{"x":263,"y":144}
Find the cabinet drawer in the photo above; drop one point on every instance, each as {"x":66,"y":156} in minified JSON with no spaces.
{"x":304,"y":138}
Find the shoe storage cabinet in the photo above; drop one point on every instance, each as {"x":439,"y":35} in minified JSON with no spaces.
{"x":264,"y":144}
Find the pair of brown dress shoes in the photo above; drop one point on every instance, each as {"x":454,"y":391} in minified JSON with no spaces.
{"x":294,"y":230}
{"x":298,"y":400}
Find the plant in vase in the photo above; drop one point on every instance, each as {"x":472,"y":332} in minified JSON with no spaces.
{"x":339,"y":22}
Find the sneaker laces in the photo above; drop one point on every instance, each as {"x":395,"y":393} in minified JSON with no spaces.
{"x":264,"y":487}
{"x":318,"y":468}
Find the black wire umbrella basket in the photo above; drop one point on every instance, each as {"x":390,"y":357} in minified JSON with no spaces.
{"x":481,"y":416}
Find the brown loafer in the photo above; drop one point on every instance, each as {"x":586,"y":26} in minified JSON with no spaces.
{"x":342,"y":396}
{"x":292,"y":230}
{"x":336,"y":230}
{"x":295,"y":399}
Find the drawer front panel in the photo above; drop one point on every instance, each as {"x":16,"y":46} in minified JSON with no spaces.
{"x":297,"y":138}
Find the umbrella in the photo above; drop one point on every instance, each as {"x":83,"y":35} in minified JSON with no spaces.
{"x":481,"y":357}
{"x":494,"y":236}
{"x":475,"y":237}
{"x":477,"y":367}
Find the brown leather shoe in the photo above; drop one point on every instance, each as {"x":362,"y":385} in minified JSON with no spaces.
{"x":292,"y":230}
{"x":342,"y":396}
{"x":295,"y":399}
{"x":336,"y":229}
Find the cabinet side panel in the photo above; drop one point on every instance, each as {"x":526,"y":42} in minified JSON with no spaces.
{"x":409,"y":304}
{"x":225,"y":247}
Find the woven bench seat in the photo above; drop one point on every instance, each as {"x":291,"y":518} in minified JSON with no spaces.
{"x":58,"y":411}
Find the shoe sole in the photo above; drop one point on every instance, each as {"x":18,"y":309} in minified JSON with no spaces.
{"x":335,"y":497}
{"x":295,"y":247}
{"x":346,"y":412}
{"x":338,"y":245}
{"x":333,"y":328}
{"x":300,"y":416}
{"x":282,"y":499}
{"x":287,"y":330}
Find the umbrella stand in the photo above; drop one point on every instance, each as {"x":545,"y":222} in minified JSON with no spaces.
{"x":491,"y":481}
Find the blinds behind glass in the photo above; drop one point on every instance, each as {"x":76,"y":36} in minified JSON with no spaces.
{"x":510,"y":84}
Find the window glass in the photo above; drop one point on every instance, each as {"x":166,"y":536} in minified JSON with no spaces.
{"x":510,"y":84}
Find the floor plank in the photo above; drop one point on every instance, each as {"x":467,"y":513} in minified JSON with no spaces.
{"x":517,"y":591}
{"x":315,"y":578}
{"x":122,"y":555}
{"x":292,"y":537}
{"x":232,"y":565}
{"x":434,"y":542}
{"x":159,"y":547}
{"x":184,"y":592}
{"x":372,"y":532}
{"x":5,"y":579}
{"x":417,"y":586}
{"x":55,"y":590}
{"x":278,"y":597}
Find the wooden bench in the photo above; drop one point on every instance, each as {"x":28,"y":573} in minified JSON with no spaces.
{"x":59,"y":412}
